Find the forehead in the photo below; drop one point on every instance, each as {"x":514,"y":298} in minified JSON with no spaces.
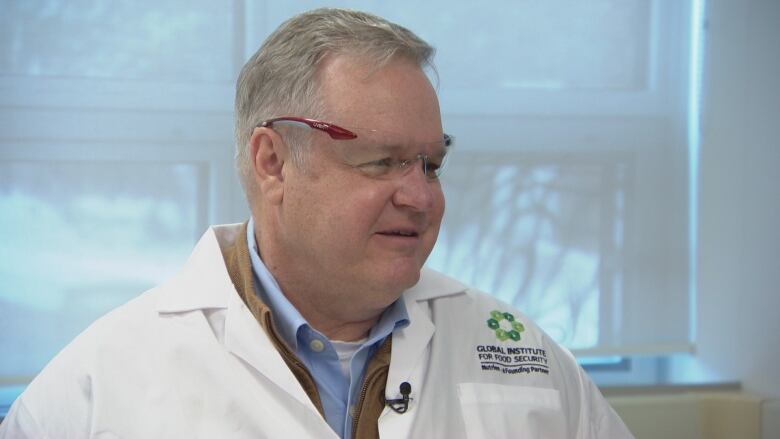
{"x":396,"y":99}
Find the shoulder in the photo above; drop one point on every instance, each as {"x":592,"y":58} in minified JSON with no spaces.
{"x":124,"y":324}
{"x":492,"y":325}
{"x":70,"y":375}
{"x":467,"y":317}
{"x":133,"y":334}
{"x":132,"y":323}
{"x":469,"y":307}
{"x":492,"y":351}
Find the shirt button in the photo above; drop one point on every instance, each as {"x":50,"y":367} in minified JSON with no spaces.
{"x":317,"y":345}
{"x":352,"y":411}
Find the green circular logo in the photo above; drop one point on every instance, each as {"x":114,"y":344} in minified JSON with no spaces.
{"x":505,"y":326}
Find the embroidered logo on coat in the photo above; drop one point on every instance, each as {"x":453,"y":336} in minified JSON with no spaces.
{"x":505,"y":326}
{"x":508,"y":357}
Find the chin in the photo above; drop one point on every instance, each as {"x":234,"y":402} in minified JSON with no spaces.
{"x":402,"y":279}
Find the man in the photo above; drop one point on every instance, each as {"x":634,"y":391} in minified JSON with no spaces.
{"x":316,"y":319}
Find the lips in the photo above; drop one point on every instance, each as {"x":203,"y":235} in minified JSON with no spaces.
{"x":406,"y":233}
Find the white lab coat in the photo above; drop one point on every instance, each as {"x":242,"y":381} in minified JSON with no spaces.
{"x":188,"y":359}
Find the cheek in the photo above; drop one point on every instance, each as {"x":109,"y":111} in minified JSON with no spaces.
{"x":363,"y":208}
{"x":348,"y":211}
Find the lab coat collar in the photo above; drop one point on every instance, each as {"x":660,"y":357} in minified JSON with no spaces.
{"x":202,"y":282}
{"x":433,"y":284}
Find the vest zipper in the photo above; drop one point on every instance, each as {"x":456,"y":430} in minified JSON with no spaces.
{"x":363,"y":392}
{"x":289,"y":356}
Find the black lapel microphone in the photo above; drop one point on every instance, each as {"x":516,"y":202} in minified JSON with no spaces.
{"x":400,"y":405}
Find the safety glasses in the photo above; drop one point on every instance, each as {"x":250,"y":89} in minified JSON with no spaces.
{"x":375,"y":158}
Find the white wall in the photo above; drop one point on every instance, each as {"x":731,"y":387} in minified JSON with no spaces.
{"x":738,"y":300}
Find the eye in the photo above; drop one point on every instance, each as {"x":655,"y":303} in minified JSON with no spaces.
{"x":377,"y":168}
{"x":386,"y":162}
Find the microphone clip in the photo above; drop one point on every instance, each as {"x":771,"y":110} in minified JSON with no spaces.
{"x":400,"y":405}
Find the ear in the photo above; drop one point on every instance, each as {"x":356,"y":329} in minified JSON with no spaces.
{"x":269,"y":154}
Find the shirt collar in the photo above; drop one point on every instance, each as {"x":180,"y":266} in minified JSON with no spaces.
{"x":394,"y":317}
{"x":287,"y":319}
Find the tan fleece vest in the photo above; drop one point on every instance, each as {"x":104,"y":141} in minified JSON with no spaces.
{"x":371,"y":400}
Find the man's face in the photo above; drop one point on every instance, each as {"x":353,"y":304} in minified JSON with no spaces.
{"x":360,"y":235}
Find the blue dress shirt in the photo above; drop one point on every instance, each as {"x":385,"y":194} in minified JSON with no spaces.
{"x":337,"y":393}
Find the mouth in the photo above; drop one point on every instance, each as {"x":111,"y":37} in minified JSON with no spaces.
{"x":401,"y":233}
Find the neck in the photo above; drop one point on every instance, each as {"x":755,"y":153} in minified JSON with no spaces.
{"x":343,"y":330}
{"x":334,"y":310}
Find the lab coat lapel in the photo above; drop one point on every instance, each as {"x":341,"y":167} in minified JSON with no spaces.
{"x":245,"y":338}
{"x":204,"y":283}
{"x":410,"y":343}
{"x":407,"y":364}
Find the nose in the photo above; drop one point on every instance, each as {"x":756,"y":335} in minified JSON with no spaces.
{"x":414,"y":190}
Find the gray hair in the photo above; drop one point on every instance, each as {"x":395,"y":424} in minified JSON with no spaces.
{"x":280,"y":79}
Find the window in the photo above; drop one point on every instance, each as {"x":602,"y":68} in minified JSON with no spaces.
{"x":567,"y":191}
{"x":116,"y":152}
{"x":80,"y":237}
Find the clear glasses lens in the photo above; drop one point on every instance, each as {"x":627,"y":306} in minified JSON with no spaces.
{"x":372,"y":155}
{"x":392,"y":162}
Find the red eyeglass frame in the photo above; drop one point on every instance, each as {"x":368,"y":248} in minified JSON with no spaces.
{"x":334,"y":131}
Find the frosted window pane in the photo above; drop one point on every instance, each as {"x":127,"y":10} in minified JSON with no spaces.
{"x":549,"y":44}
{"x":529,"y":44}
{"x":536,"y":235}
{"x":162,"y":40}
{"x":79,"y":239}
